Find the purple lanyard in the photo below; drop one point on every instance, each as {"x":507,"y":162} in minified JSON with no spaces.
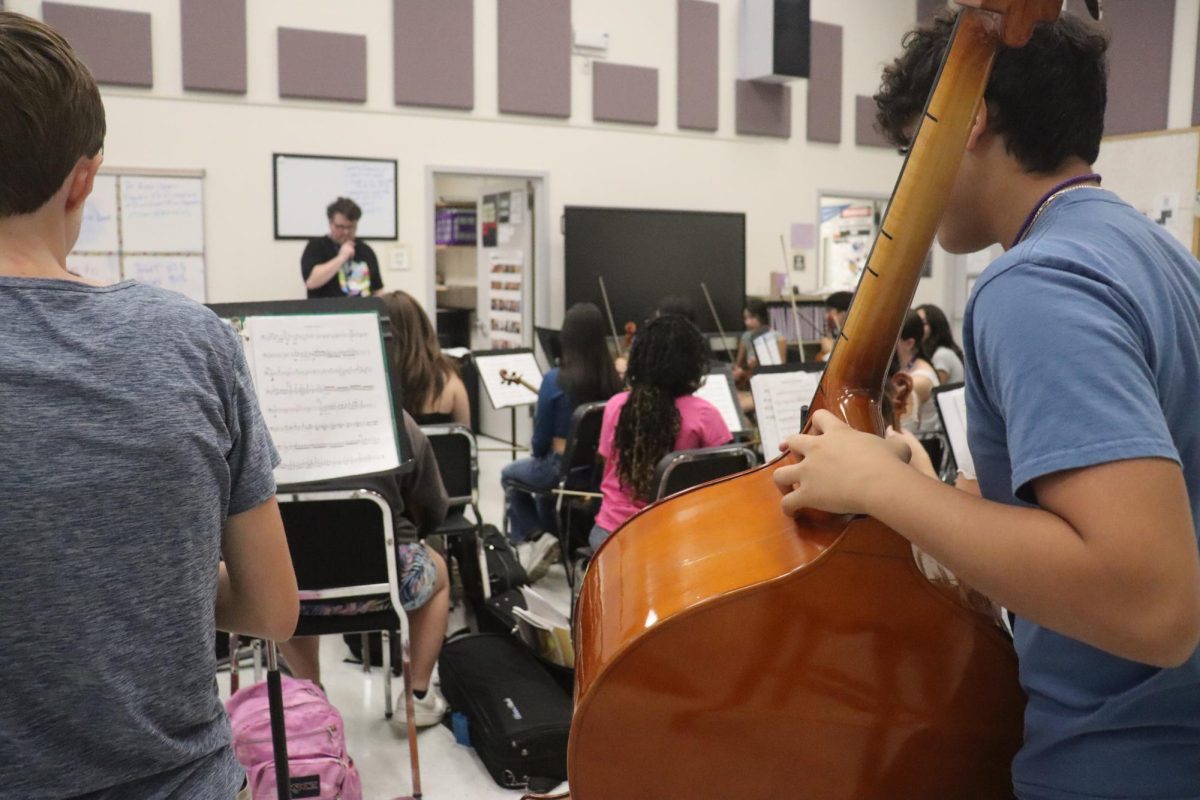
{"x":1069,"y":182}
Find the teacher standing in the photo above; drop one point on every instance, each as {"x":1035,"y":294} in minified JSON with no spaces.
{"x":338,"y":265}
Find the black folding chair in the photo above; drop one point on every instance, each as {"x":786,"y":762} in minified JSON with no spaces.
{"x":684,"y":469}
{"x":457,"y":456}
{"x":576,"y":491}
{"x":343,"y":550}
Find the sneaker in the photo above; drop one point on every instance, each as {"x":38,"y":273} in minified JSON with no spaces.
{"x":427,"y":711}
{"x":537,"y":556}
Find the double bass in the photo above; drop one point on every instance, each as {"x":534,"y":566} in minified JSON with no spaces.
{"x":726,"y":650}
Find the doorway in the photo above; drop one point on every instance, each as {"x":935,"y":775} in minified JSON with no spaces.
{"x":488,"y":248}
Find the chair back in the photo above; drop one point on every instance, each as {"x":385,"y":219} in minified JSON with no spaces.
{"x":341,"y":547}
{"x":583,"y":442}
{"x":684,"y":469}
{"x":457,"y":456}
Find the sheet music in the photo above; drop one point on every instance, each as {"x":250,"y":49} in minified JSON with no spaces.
{"x":520,"y":362}
{"x":717,"y":389}
{"x":323,"y":389}
{"x":766,"y":350}
{"x":779,"y":401}
{"x":953,"y":405}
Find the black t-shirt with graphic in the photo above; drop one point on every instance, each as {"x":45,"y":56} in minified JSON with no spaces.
{"x":358,"y":277}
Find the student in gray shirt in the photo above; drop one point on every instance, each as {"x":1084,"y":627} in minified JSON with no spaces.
{"x":133,"y":457}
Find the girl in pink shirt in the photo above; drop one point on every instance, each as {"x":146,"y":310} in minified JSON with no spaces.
{"x":658,"y":415}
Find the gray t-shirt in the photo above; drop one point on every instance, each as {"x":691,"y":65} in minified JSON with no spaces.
{"x":129,"y":431}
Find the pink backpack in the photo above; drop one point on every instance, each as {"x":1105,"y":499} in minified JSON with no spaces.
{"x":318,"y":764}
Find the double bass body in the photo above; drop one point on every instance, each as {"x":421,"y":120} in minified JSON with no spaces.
{"x":782,"y":658}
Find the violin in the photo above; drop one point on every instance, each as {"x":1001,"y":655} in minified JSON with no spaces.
{"x":511,"y":378}
{"x":725,"y":649}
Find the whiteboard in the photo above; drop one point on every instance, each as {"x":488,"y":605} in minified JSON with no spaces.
{"x":162,"y":215}
{"x":98,"y":230}
{"x":183,"y":274}
{"x":1156,"y":171}
{"x":306,"y":185}
{"x":144,"y":227}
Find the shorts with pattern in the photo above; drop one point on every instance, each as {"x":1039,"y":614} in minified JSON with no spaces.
{"x":418,"y":576}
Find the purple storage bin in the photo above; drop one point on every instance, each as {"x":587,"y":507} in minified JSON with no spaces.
{"x":455,"y":226}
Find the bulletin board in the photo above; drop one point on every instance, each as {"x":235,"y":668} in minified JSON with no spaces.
{"x":144,"y":225}
{"x":1159,"y":175}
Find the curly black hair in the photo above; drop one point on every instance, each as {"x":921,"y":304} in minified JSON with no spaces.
{"x":1046,"y":99}
{"x":668,"y":360}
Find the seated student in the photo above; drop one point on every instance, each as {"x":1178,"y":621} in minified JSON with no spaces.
{"x":837,"y":306}
{"x":658,"y":415}
{"x":418,"y":501}
{"x":134,"y":458}
{"x":922,"y":417}
{"x":676,"y":304}
{"x":434,"y":393}
{"x":758,"y":325}
{"x":587,"y":375}
{"x":944,"y":353}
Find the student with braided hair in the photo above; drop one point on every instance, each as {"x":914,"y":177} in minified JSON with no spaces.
{"x":658,"y":415}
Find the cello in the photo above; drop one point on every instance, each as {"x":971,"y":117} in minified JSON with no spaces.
{"x":726,"y":650}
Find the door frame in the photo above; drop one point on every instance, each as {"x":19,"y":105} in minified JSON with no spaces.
{"x":541,"y":244}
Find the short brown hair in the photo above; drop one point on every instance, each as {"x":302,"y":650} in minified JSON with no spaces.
{"x":50,"y":113}
{"x":346,"y":207}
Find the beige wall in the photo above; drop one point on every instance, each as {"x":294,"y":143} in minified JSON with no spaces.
{"x":774,"y":182}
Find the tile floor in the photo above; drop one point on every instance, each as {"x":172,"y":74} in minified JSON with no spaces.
{"x":449,"y":771}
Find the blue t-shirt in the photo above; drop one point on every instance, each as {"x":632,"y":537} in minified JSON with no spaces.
{"x":130,"y":434}
{"x":553,"y":416}
{"x":1083,"y":348}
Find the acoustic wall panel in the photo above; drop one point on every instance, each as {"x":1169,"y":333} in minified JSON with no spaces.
{"x":213,"y":34}
{"x":1139,"y":64}
{"x":764,"y":109}
{"x":623,"y":93}
{"x":824,"y":116}
{"x":434,"y":53}
{"x":928,"y":9}
{"x":865,"y":134}
{"x":115,"y":45}
{"x":534,"y":43}
{"x":317,"y":65}
{"x":1196,"y":84}
{"x":698,"y":65}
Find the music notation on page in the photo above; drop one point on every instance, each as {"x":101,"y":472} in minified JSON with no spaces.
{"x":323,"y":389}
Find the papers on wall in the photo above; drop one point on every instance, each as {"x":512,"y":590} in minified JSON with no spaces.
{"x":183,"y":274}
{"x":506,"y":313}
{"x":98,"y":228}
{"x":144,"y":227}
{"x":779,"y":402}
{"x":323,"y":388}
{"x":766,"y":350}
{"x":162,"y":215}
{"x":516,"y":362}
{"x":718,"y":389}
{"x":952,"y":404}
{"x":105,"y":270}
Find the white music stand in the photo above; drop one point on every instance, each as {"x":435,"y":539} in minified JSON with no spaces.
{"x":522,"y":362}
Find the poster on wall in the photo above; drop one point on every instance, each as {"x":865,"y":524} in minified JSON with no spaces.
{"x":847,"y":232}
{"x":505,"y":312}
{"x":487,"y":220}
